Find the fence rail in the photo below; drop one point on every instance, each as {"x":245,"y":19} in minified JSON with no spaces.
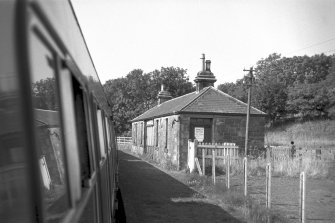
{"x":281,"y":153}
{"x":123,"y":140}
{"x":210,"y":154}
{"x":221,"y":150}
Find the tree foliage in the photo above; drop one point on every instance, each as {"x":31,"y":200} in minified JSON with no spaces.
{"x":45,"y":94}
{"x":299,"y":87}
{"x":137,"y":92}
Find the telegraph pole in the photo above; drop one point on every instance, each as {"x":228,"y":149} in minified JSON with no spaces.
{"x":249,"y":84}
{"x":245,"y":160}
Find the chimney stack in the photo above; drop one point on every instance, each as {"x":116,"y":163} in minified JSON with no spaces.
{"x":205,"y":77}
{"x":163,"y":95}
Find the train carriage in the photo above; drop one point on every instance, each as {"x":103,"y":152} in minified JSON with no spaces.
{"x":58,"y":160}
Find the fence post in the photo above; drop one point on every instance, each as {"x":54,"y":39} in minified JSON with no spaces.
{"x":213,"y":165}
{"x":268,"y":185}
{"x":300,"y":160}
{"x":245,"y":162}
{"x":228,"y":170}
{"x":302,"y":197}
{"x":203,"y":162}
{"x":192,"y":154}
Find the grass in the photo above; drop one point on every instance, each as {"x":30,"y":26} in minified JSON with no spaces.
{"x":307,"y":135}
{"x":232,"y":200}
{"x":312,"y":167}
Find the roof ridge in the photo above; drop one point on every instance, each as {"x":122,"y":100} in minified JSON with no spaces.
{"x":162,"y":104}
{"x":203,"y":91}
{"x":237,"y":100}
{"x":178,"y":97}
{"x":145,"y":112}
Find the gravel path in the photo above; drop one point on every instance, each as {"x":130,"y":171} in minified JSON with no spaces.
{"x":150,"y":195}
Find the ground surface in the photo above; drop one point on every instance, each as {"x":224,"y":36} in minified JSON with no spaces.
{"x":150,"y":195}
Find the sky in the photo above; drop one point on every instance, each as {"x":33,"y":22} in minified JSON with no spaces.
{"x":123,"y":35}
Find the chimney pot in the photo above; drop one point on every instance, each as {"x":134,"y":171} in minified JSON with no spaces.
{"x":203,"y":62}
{"x":208,"y":65}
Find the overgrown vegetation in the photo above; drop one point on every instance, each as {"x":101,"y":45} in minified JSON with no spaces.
{"x":307,"y":135}
{"x":232,"y":199}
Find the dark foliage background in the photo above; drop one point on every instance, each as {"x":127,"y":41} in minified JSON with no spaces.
{"x":137,"y":92}
{"x":300,"y":87}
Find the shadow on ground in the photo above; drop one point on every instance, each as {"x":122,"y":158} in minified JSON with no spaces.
{"x":148,"y":195}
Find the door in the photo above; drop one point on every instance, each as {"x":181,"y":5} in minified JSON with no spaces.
{"x":203,"y":126}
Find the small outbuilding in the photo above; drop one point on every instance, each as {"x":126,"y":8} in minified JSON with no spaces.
{"x":208,"y":115}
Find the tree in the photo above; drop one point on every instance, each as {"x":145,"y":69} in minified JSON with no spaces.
{"x":137,"y":92}
{"x":308,"y":100}
{"x":286,"y":87}
{"x":44,"y":94}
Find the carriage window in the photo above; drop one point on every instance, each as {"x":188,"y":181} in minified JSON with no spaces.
{"x":101,"y":134}
{"x":82,"y":134}
{"x":107,"y":131}
{"x":50,"y":146}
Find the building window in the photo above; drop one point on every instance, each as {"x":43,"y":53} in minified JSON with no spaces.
{"x":157,"y":132}
{"x":166,"y":131}
{"x":136,"y":134}
{"x":141,"y":133}
{"x":150,"y":133}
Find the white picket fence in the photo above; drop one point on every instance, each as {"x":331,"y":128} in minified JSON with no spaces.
{"x":124,"y":140}
{"x":209,"y":152}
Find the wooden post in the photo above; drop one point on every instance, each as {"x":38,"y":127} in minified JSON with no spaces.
{"x":228,"y":170}
{"x":300,"y":161}
{"x":213,"y":165}
{"x":302,"y":197}
{"x":198,"y":165}
{"x":268,"y":185}
{"x":203,"y":162}
{"x":245,"y":162}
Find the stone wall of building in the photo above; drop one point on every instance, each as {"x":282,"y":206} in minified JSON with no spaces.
{"x":164,"y":151}
{"x":168,"y":147}
{"x":232,"y":129}
{"x":174,"y":151}
{"x":184,"y":137}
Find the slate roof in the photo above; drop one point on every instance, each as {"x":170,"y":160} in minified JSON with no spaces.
{"x":208,"y":100}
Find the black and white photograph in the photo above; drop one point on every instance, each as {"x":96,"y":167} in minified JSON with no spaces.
{"x":165,"y":111}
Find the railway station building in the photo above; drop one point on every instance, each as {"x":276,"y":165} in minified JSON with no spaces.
{"x":206,"y":114}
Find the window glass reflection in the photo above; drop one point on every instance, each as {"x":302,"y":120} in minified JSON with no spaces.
{"x":48,"y":131}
